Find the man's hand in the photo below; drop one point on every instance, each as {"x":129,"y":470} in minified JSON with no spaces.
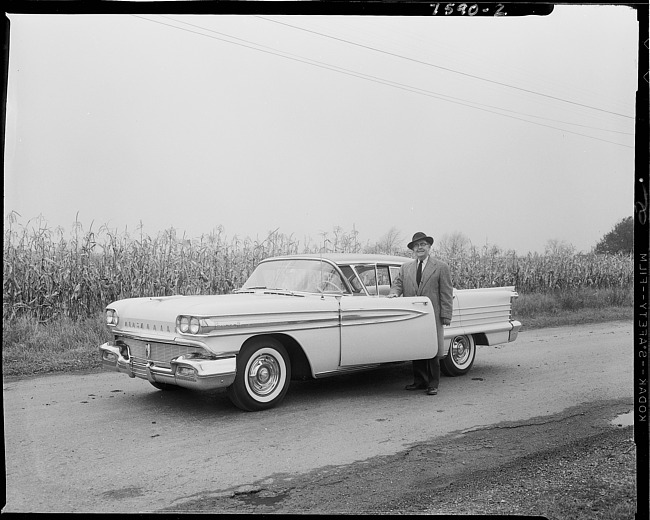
{"x":446,"y":321}
{"x":392,"y":295}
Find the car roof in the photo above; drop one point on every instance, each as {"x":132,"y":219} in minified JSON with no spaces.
{"x":348,"y":258}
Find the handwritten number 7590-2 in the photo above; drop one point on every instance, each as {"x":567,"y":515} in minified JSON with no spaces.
{"x":465,"y":9}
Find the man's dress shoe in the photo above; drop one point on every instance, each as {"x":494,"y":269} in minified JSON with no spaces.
{"x":414,"y":387}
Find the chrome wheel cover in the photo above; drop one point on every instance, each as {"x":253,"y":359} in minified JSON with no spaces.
{"x":263,"y":375}
{"x":461,"y":351}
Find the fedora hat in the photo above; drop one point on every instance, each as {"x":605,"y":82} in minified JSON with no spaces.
{"x":420,"y":236}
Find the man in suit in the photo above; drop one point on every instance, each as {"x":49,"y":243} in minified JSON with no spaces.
{"x":426,"y":276}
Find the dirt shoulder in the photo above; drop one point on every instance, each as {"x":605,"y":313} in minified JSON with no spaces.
{"x":570,"y":465}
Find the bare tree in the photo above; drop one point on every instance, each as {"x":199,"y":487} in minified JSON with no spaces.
{"x":454,"y":244}
{"x":559,"y":247}
{"x":390,"y":243}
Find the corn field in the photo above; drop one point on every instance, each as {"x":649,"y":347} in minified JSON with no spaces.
{"x":47,"y":274}
{"x":535,"y":273}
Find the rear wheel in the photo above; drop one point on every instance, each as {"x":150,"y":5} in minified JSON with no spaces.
{"x":460,"y":357}
{"x":263,"y":375}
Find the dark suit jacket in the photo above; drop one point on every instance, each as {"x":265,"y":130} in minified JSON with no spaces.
{"x":435,"y":283}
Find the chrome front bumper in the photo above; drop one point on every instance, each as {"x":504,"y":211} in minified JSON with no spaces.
{"x":197,"y":373}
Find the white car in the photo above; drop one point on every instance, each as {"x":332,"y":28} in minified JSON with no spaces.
{"x":297,"y":317}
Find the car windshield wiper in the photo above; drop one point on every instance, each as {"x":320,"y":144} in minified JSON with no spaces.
{"x":262,"y":287}
{"x":269,"y":290}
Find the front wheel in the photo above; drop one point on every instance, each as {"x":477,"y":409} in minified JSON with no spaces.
{"x":263,"y":375}
{"x":460,"y":357}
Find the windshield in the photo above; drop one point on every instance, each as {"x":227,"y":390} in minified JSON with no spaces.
{"x":296,"y":275}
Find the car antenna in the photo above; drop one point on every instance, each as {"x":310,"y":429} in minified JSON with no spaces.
{"x":322,"y":293}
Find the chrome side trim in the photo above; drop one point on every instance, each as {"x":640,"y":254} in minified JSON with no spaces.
{"x":353,"y":317}
{"x":355,"y":368}
{"x":490,"y":330}
{"x":228,"y":326}
{"x":345,"y":370}
{"x":309,"y":320}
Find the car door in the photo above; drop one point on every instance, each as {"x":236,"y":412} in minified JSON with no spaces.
{"x":378,"y":330}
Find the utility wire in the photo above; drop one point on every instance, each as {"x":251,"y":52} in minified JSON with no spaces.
{"x":308,"y":61}
{"x":369,"y":78}
{"x":554,"y":120}
{"x":441,"y":67}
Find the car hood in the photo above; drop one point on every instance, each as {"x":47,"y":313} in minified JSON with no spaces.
{"x":158,"y":315}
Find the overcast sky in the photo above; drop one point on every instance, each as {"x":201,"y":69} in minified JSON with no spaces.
{"x":511,"y":131}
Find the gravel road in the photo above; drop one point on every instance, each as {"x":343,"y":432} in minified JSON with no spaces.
{"x":101,"y":442}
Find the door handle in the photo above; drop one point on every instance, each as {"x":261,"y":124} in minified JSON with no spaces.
{"x":420,"y":303}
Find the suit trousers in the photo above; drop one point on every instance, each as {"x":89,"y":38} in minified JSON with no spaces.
{"x":426,"y":372}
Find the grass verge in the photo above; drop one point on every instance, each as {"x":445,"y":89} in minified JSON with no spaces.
{"x":30,"y":347}
{"x":573,"y":307}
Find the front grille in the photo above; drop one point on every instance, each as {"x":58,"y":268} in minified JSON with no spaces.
{"x":160,"y":354}
{"x":138,"y":367}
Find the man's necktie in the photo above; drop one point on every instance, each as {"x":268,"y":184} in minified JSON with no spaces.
{"x":418,"y":276}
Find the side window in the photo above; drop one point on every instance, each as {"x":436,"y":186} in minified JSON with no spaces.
{"x":383,"y":279}
{"x":374,"y":278}
{"x":367,"y":276}
{"x":394,"y":271}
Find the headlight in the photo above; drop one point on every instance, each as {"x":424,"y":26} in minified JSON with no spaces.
{"x":183,"y":324}
{"x":111,"y":317}
{"x":188,"y":324}
{"x":194,"y":326}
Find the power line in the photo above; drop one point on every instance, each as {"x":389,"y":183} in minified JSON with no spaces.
{"x":441,"y":67}
{"x":334,"y":68}
{"x":555,"y":120}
